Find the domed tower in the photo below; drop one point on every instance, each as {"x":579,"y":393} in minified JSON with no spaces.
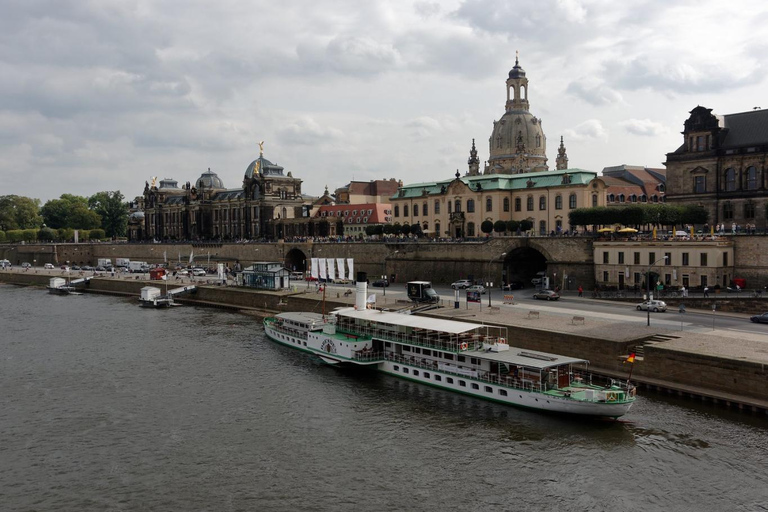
{"x":473,"y":161}
{"x":517,"y":143}
{"x":562,"y":156}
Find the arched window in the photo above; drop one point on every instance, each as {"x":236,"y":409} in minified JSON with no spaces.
{"x":621,"y":198}
{"x":506,"y":204}
{"x":437,"y":229}
{"x":529,"y":204}
{"x":424,"y":209}
{"x":285,"y":213}
{"x":437,"y":206}
{"x":594,"y":200}
{"x":415,"y":210}
{"x":558,"y":202}
{"x":488,"y":204}
{"x":470,"y":229}
{"x":405,"y":210}
{"x":572,"y":201}
{"x":633,"y":198}
{"x":518,"y":204}
{"x":751,"y":178}
{"x":655,"y":198}
{"x":457,"y":206}
{"x":730,"y":180}
{"x":470,"y":205}
{"x":542,"y":227}
{"x":542,"y":202}
{"x":643,"y":198}
{"x":610,"y":198}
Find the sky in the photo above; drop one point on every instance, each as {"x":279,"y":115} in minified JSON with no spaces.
{"x":105,"y":94}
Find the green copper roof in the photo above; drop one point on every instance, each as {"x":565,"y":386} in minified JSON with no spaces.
{"x":510,"y":182}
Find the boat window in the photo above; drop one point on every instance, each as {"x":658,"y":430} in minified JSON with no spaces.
{"x":463,"y":383}
{"x":503,"y":392}
{"x":462,"y":359}
{"x":449,"y":356}
{"x":438,"y":378}
{"x":474,"y":360}
{"x":488,"y":389}
{"x":426,"y":375}
{"x":449,"y":380}
{"x":426,"y":352}
{"x":397,"y":368}
{"x":406,"y":348}
{"x":416,"y":372}
{"x":405,"y":370}
{"x":387,"y":344}
{"x":416,"y":350}
{"x":475,"y":386}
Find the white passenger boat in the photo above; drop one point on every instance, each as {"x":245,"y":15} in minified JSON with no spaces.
{"x":152,"y":297}
{"x":61,"y":286}
{"x":468,"y":358}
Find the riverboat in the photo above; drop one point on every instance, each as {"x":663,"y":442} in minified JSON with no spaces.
{"x":151,"y":298}
{"x":60,"y":286}
{"x":469,"y":358}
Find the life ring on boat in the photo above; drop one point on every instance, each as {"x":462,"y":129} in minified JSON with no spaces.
{"x":611,"y":397}
{"x":464,"y":346}
{"x":503,"y":341}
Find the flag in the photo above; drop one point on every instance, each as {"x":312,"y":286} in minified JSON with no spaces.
{"x":371,"y":299}
{"x":631,"y":358}
{"x":350,"y":269}
{"x":191,"y":256}
{"x":165,"y":256}
{"x":164,"y":277}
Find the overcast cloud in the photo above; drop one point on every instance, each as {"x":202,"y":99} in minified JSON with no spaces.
{"x":104,"y":94}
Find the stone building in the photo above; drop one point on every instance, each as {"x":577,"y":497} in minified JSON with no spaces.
{"x":352,"y":219}
{"x":721,"y":165}
{"x":367,"y":192}
{"x":264,"y":207}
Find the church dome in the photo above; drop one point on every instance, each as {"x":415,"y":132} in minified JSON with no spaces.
{"x":136,"y":216}
{"x":517,"y":71}
{"x":209,"y":179}
{"x":169,"y":183}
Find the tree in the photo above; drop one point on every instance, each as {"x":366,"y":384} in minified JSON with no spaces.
{"x":19,"y":212}
{"x":388,"y":229}
{"x":46,"y":235}
{"x":486,"y":227}
{"x":113,"y":210}
{"x":500,"y":226}
{"x":416,"y":229}
{"x":370,"y":230}
{"x":526,"y":225}
{"x":512,"y":226}
{"x":70,"y":211}
{"x":405,"y":229}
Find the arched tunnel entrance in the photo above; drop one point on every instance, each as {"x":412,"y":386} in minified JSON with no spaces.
{"x":521,"y":265}
{"x":296,"y":260}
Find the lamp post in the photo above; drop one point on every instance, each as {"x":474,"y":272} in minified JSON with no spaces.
{"x":490,"y":290}
{"x":648,"y":287}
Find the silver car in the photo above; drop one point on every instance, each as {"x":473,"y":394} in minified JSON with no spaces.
{"x":653,"y":305}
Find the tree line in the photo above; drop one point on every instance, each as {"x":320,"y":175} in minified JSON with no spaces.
{"x":102,"y":215}
{"x":658,"y":215}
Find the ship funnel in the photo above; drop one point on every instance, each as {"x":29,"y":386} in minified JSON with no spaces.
{"x":361,"y":291}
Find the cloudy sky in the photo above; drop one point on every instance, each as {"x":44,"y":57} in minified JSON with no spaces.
{"x":104,"y":94}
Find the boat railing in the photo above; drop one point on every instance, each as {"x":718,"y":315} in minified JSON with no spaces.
{"x":452,"y":345}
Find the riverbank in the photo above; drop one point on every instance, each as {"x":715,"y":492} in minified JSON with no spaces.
{"x":728,"y":370}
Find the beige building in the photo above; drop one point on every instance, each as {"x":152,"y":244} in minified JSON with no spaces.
{"x":367,"y":192}
{"x":515,"y":184}
{"x":623,"y":264}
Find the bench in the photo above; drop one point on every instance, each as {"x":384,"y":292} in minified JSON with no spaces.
{"x":509,"y":299}
{"x":533,"y":314}
{"x":577,"y":319}
{"x":493,"y":309}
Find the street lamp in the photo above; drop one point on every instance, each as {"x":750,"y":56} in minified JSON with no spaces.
{"x":385,"y":279}
{"x":648,"y":287}
{"x":489,"y":276}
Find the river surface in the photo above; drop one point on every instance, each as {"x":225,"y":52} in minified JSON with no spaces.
{"x":107,"y":406}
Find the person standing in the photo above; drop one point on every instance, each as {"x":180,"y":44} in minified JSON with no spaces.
{"x":581,"y":291}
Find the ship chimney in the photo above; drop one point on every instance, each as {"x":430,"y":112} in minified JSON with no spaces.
{"x":361,"y":289}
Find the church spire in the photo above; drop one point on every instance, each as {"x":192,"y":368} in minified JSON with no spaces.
{"x":474,"y":162}
{"x":562,"y":157}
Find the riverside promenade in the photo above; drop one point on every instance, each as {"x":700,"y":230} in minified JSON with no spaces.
{"x":727,"y":368}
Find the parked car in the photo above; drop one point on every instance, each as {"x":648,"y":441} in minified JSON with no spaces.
{"x":48,"y":266}
{"x":183,"y":272}
{"x":546,"y":295}
{"x":653,"y":305}
{"x":476,"y":288}
{"x":513,"y":285}
{"x":26,"y":264}
{"x":461,"y":284}
{"x":760,"y":319}
{"x":198,"y":272}
{"x":381,"y":283}
{"x":84,"y":267}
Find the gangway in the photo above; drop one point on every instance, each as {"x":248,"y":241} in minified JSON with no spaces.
{"x":82,"y":280}
{"x":179,"y":291}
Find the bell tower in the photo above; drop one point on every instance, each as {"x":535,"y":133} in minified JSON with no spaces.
{"x":562,"y":157}
{"x":517,"y":88}
{"x":473,"y":162}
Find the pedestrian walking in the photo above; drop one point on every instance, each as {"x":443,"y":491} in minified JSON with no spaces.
{"x":706,"y":291}
{"x":581,"y":291}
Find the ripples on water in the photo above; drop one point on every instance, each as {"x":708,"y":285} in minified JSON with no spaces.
{"x":107,"y":406}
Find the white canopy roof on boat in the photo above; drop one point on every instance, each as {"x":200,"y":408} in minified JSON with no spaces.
{"x":524,"y":357}
{"x":419,"y":322}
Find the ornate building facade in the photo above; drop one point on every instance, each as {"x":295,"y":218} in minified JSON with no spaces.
{"x":722,"y":166}
{"x":264,"y":207}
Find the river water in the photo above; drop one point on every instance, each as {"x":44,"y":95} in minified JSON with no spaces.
{"x":107,"y":406}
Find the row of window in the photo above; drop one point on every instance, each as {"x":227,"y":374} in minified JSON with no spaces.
{"x":749,"y":210}
{"x":346,"y":213}
{"x":732,"y":181}
{"x":634,"y":198}
{"x":638,"y":279}
{"x":685,"y":259}
{"x":470,"y":206}
{"x":448,"y":380}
